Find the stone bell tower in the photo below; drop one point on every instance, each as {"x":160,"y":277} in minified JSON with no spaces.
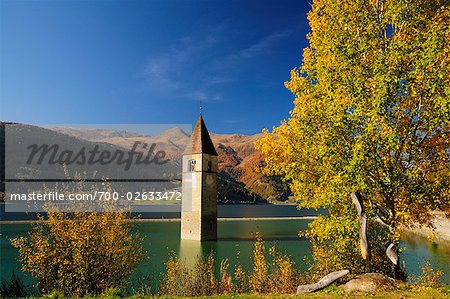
{"x":199,"y":187}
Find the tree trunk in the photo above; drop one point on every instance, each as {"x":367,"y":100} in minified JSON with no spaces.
{"x":364,"y":243}
{"x":392,"y":254}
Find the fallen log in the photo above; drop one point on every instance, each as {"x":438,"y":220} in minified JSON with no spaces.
{"x":324,"y":282}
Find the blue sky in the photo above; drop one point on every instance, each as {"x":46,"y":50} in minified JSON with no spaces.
{"x":145,"y":62}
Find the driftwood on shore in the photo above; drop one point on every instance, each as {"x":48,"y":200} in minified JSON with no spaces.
{"x":364,"y":243}
{"x":324,"y":282}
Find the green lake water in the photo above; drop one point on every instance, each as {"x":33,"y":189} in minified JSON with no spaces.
{"x":236,"y":240}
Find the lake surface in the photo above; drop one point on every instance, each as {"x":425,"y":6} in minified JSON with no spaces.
{"x":236,"y":240}
{"x":16,"y":211}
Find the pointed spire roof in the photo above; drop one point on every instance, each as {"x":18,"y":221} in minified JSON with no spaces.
{"x":201,"y":142}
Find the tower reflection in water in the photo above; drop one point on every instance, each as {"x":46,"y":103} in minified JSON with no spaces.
{"x":191,"y":250}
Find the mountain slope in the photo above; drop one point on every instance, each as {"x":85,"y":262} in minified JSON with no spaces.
{"x":239,"y":177}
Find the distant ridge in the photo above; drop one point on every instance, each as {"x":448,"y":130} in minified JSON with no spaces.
{"x":93,"y":134}
{"x":239,"y":177}
{"x":175,"y":133}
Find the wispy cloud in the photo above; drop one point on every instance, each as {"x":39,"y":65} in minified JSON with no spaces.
{"x":173,"y":71}
{"x":201,"y":59}
{"x":264,"y":45}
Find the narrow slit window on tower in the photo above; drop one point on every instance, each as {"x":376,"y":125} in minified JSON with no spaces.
{"x":209,"y":165}
{"x":191,"y":165}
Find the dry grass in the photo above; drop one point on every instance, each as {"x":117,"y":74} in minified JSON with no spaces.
{"x":406,"y":292}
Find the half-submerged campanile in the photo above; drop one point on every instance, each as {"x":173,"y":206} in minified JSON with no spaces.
{"x":199,"y":187}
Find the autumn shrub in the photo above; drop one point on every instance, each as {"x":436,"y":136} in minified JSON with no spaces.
{"x":171,"y":278}
{"x":258,"y":278}
{"x":204,"y":278}
{"x":182,"y":280}
{"x":271,"y":272}
{"x":80,"y":253}
{"x":284,"y":277}
{"x":240,"y":279}
{"x":225,"y":285}
{"x":144,"y":285}
{"x":428,"y":276}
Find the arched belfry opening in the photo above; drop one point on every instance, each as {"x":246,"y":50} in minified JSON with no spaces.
{"x":199,"y":187}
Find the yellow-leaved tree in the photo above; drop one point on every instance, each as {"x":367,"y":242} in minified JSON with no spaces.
{"x":371,"y":114}
{"x":80,"y":253}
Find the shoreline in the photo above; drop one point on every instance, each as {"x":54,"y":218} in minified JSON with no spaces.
{"x":178,"y":219}
{"x":440,"y":233}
